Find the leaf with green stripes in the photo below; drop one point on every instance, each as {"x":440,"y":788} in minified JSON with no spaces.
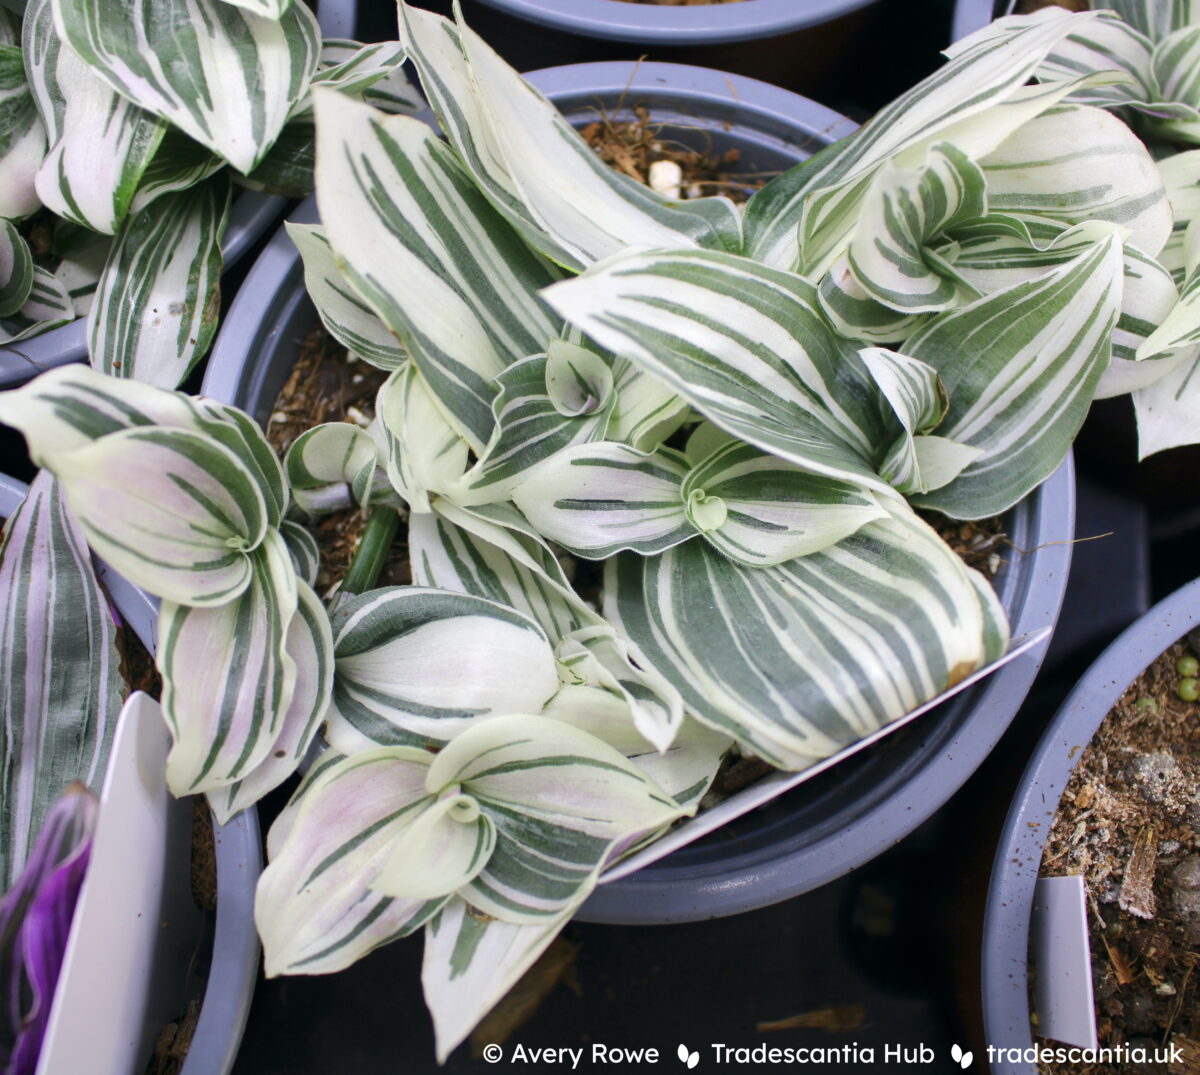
{"x":83,"y":255}
{"x":228,"y":678}
{"x":16,"y":270}
{"x":799,"y":660}
{"x":1107,"y":43}
{"x":306,"y":555}
{"x":22,"y":137}
{"x":156,"y":307}
{"x":309,"y":644}
{"x":418,"y":666}
{"x":536,"y":168}
{"x":314,"y":907}
{"x":100,"y":143}
{"x":424,"y":453}
{"x":974,"y":102}
{"x":180,"y":163}
{"x":547,"y":402}
{"x":335,"y":466}
{"x":1174,"y":68}
{"x":268,"y":9}
{"x":1180,"y":328}
{"x":224,"y":76}
{"x":1073,"y":163}
{"x":61,"y":688}
{"x":349,"y":320}
{"x":1166,"y":408}
{"x":356,"y":69}
{"x":423,"y":248}
{"x":47,"y":306}
{"x":562,"y":802}
{"x":745,"y":345}
{"x":173,"y":511}
{"x":1021,"y":367}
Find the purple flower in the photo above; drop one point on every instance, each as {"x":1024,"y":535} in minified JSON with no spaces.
{"x":35,"y":922}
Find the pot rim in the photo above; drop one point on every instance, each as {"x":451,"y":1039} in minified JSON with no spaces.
{"x":678,"y":26}
{"x":1018,"y":858}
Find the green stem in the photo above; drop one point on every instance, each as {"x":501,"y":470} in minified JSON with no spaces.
{"x":372,"y":551}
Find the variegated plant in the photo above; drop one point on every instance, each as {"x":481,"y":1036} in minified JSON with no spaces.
{"x":132,"y":123}
{"x":660,"y":462}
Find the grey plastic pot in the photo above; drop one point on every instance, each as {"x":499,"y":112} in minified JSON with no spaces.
{"x":837,"y":821}
{"x":972,"y":15}
{"x":251,"y":214}
{"x":1019,"y":853}
{"x":232,"y":954}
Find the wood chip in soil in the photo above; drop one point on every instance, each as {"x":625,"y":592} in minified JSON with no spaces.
{"x":1129,"y":822}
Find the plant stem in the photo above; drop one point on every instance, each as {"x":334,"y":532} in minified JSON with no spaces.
{"x":372,"y":551}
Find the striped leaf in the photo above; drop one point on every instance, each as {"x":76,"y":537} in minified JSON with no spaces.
{"x":268,"y":9}
{"x":647,"y":409}
{"x":83,"y":257}
{"x":1150,"y":17}
{"x":349,"y":320}
{"x":472,"y":960}
{"x":1166,"y":408}
{"x":100,"y":143}
{"x":309,"y":644}
{"x":905,"y":209}
{"x":1074,"y":163}
{"x":287,"y":170}
{"x":799,"y":660}
{"x":156,"y":307}
{"x":22,"y":137}
{"x":1174,"y":68}
{"x":228,"y":678}
{"x":61,"y":688}
{"x":354,"y":69}
{"x":974,"y":102}
{"x":421,"y":245}
{"x":47,"y":306}
{"x":562,"y":802}
{"x":16,"y":270}
{"x":417,"y":666}
{"x":536,"y":168}
{"x":440,"y":852}
{"x":760,"y":510}
{"x":1109,"y":42}
{"x":596,"y":499}
{"x":424,"y":453}
{"x":461,"y":551}
{"x":180,"y":163}
{"x":1021,"y":367}
{"x":173,"y":511}
{"x":314,"y":907}
{"x":335,"y":466}
{"x":546,"y":403}
{"x":306,"y":557}
{"x":224,"y":76}
{"x":745,"y":345}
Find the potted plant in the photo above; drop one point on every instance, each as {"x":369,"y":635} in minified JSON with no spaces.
{"x":744,"y":407}
{"x":136,"y":929}
{"x":45,"y":313}
{"x":1104,"y":689}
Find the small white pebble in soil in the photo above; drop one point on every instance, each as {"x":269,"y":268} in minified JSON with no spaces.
{"x":279,"y":416}
{"x":357,"y":417}
{"x":666,"y":178}
{"x":1168,"y":847}
{"x":696,"y":190}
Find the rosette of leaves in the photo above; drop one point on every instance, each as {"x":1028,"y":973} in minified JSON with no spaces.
{"x":131,"y":124}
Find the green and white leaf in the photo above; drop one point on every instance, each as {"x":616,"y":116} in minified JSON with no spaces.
{"x":1166,"y":409}
{"x":335,"y":466}
{"x":353,"y":68}
{"x":1174,"y":68}
{"x":61,"y":687}
{"x":224,"y":76}
{"x":99,"y":143}
{"x":180,"y":163}
{"x":974,"y":102}
{"x":309,"y":645}
{"x":471,"y":961}
{"x":314,"y":907}
{"x":22,"y":138}
{"x":47,"y":306}
{"x":760,"y":510}
{"x":16,"y":270}
{"x":647,"y":410}
{"x":156,"y":308}
{"x":349,"y":320}
{"x":173,"y":511}
{"x":800,"y":660}
{"x":425,"y":454}
{"x":745,"y":345}
{"x":397,"y":206}
{"x":418,"y":666}
{"x":228,"y":679}
{"x":306,"y":556}
{"x":1021,"y":367}
{"x":562,"y":801}
{"x":534,"y":166}
{"x":1107,"y":43}
{"x":268,"y":9}
{"x":83,"y":258}
{"x":1074,"y":163}
{"x":596,"y":499}
{"x":547,"y":402}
